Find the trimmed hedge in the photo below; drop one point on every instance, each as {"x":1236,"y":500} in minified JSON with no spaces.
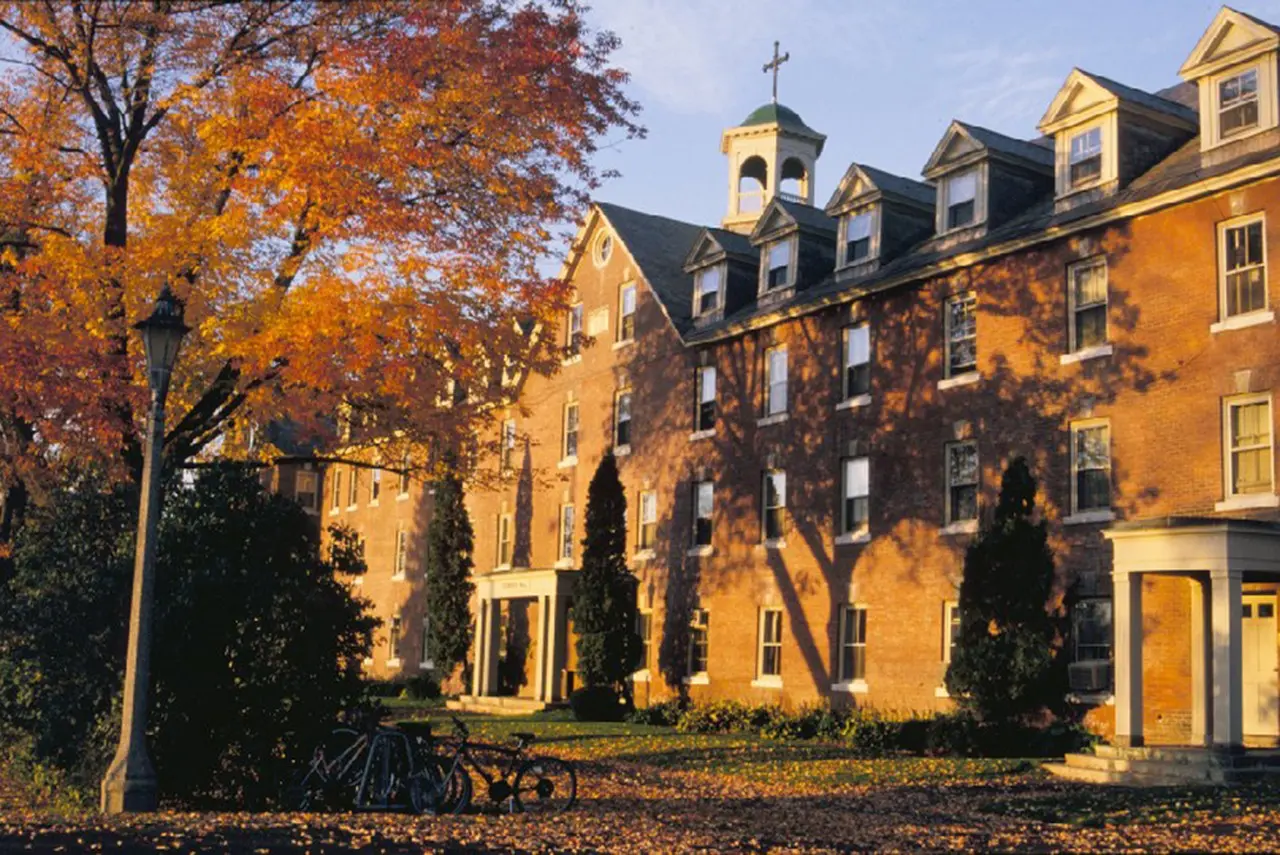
{"x":870,"y":732}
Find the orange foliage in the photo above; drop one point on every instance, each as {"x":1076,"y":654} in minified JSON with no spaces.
{"x":352,"y":199}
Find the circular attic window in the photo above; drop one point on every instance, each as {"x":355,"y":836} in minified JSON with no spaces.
{"x":604,"y":248}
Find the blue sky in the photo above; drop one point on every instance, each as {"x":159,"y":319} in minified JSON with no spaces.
{"x":881,"y":79}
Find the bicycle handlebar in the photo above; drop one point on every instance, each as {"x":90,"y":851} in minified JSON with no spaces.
{"x":459,"y":727}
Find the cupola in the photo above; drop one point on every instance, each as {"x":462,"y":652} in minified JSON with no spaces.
{"x":771,"y":153}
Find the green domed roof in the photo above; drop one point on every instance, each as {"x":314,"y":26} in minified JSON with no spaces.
{"x":768,"y":114}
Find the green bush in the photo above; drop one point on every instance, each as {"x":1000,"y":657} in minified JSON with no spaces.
{"x":422,"y":687}
{"x":810,"y":722}
{"x":726,"y":717}
{"x":871,"y":733}
{"x":662,"y":714}
{"x":597,"y":703}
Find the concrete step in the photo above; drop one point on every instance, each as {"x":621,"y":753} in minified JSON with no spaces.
{"x":1087,"y":775}
{"x":1152,"y":768}
{"x":491,"y":705}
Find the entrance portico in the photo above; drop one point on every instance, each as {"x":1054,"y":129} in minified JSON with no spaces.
{"x":550,"y":590}
{"x":1219,"y":558}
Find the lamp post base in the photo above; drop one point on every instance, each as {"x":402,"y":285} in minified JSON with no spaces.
{"x":129,"y":785}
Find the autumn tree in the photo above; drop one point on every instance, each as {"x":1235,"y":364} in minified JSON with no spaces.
{"x":1002,"y":667}
{"x":448,"y":577}
{"x":351,"y":199}
{"x":604,"y":598}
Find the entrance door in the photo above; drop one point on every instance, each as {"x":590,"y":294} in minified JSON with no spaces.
{"x":1261,"y":690}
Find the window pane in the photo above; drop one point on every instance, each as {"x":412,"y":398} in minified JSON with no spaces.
{"x":857,"y":345}
{"x":779,"y":254}
{"x":962,"y":188}
{"x":628,"y":300}
{"x":1086,"y":145}
{"x":705,"y":498}
{"x":858,"y":226}
{"x":706,"y":384}
{"x":856,"y":480}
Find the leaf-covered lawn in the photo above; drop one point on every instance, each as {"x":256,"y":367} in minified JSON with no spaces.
{"x":651,"y":790}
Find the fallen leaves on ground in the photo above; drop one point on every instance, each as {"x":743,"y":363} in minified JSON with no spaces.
{"x":651,"y":790}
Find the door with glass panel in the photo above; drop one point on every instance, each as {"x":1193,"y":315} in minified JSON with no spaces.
{"x":1260,"y":690}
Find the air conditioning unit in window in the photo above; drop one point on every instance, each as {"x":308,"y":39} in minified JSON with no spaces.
{"x":1090,"y":676}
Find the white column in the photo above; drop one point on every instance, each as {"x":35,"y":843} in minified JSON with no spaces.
{"x":493,"y":617}
{"x":1228,"y":710}
{"x":1127,"y":602}
{"x":555,"y":641}
{"x":1201,"y":662}
{"x":481,"y":643}
{"x":545,"y":617}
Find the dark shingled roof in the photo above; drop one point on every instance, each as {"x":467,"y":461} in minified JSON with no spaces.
{"x":1186,"y":93}
{"x":896,"y":184}
{"x":996,"y":141}
{"x":807,"y":215}
{"x":767,"y":114}
{"x":659,"y":246}
{"x":1137,"y":96}
{"x":732,"y":242}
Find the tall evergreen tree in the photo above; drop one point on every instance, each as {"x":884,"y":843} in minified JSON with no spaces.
{"x":448,"y":576}
{"x":1002,"y":667}
{"x":604,"y":601}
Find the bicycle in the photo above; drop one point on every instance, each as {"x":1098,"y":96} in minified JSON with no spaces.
{"x":378,"y":768}
{"x":527,"y":783}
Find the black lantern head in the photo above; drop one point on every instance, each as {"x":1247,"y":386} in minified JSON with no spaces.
{"x":162,"y":334}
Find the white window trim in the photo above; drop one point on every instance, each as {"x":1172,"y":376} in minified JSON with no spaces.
{"x":697,"y":435}
{"x":848,"y":399}
{"x":971,"y":375}
{"x":851,"y":683}
{"x":853,"y":687}
{"x":700,"y":551}
{"x":598,"y":256}
{"x":855,"y":402}
{"x":399,"y":568}
{"x":1097,"y":261}
{"x":958,"y":526}
{"x":635,"y":309}
{"x":1109,"y":125}
{"x":498,"y":563}
{"x":696,"y":548}
{"x":1096,"y":352}
{"x":873,"y":247}
{"x":1092,"y":514}
{"x":1256,"y":316}
{"x":567,"y":459}
{"x":1240,"y":501}
{"x":562,"y":560}
{"x":699,"y":679}
{"x":854,"y":538}
{"x":767,"y":416}
{"x":772,"y":542}
{"x":775,"y":419}
{"x":720,"y":291}
{"x":424,"y":663}
{"x":642,"y":551}
{"x":948,"y":608}
{"x":763,"y":680}
{"x":979,"y":200}
{"x":1098,"y":515}
{"x":762,"y":287}
{"x":617,"y":397}
{"x":1210,"y":124}
{"x":862,"y":534}
{"x":699,"y":373}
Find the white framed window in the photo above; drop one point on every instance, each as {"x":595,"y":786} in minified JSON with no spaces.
{"x":769,"y":655}
{"x":857,"y":245}
{"x":1087,"y":295}
{"x":778,"y":262}
{"x":699,"y":632}
{"x":566,"y":532}
{"x":703,"y":509}
{"x":852,"y":652}
{"x":507,"y":450}
{"x":856,"y":346}
{"x":961,"y":321}
{"x":1084,"y":158}
{"x":353,"y":488}
{"x":1091,"y":630}
{"x":306,"y":488}
{"x":648,"y":528}
{"x":1238,"y":103}
{"x":855,"y":509}
{"x":704,"y":413}
{"x":1244,"y":265}
{"x":622,"y":419}
{"x":1090,"y":466}
{"x":627,"y":313}
{"x":603,"y":249}
{"x":404,"y":475}
{"x":950,"y":630}
{"x":962,"y":481}
{"x":402,"y":553}
{"x":773,"y":505}
{"x":573,"y":330}
{"x":708,"y":288}
{"x":962,"y":199}
{"x":393,"y":640}
{"x":775,"y":380}
{"x":375,"y":485}
{"x":569,"y":447}
{"x":644,"y":629}
{"x":335,"y":500}
{"x":425,"y":662}
{"x":504,"y":540}
{"x":1250,"y":463}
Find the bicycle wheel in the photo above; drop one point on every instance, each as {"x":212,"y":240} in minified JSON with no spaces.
{"x":436,"y":789}
{"x":304,"y":791}
{"x":546,"y":785}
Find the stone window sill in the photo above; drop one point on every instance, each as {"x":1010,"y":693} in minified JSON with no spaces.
{"x":775,"y":419}
{"x":965,"y":379}
{"x":1239,"y":322}
{"x":709,"y":433}
{"x":373,"y":503}
{"x":393,"y":663}
{"x":853,"y":537}
{"x":367,"y":661}
{"x":397,"y":577}
{"x":697,"y":680}
{"x":621,"y":450}
{"x":402,"y":497}
{"x":775,"y":543}
{"x":428,"y":665}
{"x":627,"y":342}
{"x":564,"y":564}
{"x":333,"y":512}
{"x":311,"y":512}
{"x":572,"y":360}
{"x":1096,"y":352}
{"x":359,"y":580}
{"x":643,"y":555}
{"x":700,"y":551}
{"x":855,"y":402}
{"x":1099,"y":515}
{"x":853,"y":687}
{"x":1248,"y":501}
{"x":768,"y":681}
{"x":568,"y":462}
{"x":641,"y":676}
{"x":353,"y":507}
{"x":941,"y":692}
{"x":960,"y":527}
{"x":1099,"y":699}
{"x":501,"y":568}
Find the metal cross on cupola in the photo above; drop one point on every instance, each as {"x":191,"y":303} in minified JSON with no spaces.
{"x":774,"y":66}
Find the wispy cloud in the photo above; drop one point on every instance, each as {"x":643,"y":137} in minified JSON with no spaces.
{"x":1007,"y":88}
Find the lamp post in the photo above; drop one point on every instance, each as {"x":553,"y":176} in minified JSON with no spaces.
{"x":130,"y":782}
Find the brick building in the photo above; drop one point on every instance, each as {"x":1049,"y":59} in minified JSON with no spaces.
{"x":812,"y":407}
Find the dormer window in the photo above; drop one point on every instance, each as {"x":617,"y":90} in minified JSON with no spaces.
{"x":778,"y":272}
{"x":961,"y":198}
{"x":1085,"y":158}
{"x":1238,"y":103}
{"x":708,"y":289}
{"x":857,"y":237}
